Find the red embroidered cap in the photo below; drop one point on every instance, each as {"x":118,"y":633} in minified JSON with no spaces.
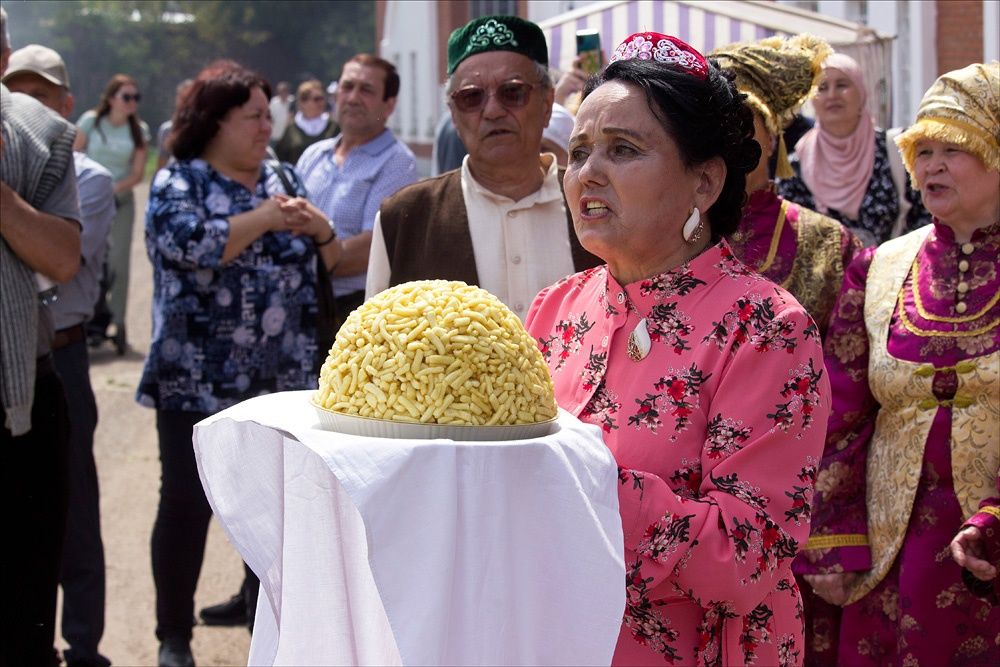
{"x":664,"y":49}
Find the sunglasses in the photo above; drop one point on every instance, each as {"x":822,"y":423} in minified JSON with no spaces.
{"x":512,"y":95}
{"x":128,"y":97}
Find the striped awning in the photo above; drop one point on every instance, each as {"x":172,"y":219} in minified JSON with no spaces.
{"x":707,"y":24}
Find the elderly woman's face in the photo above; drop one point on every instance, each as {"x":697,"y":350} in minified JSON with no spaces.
{"x":244,"y":132}
{"x":626,"y":184}
{"x":838,"y":100}
{"x":955,"y":185}
{"x":312,"y":102}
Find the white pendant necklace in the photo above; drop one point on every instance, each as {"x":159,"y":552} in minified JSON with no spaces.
{"x":639,"y":343}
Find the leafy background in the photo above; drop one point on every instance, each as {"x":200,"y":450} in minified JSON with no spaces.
{"x":161,"y":42}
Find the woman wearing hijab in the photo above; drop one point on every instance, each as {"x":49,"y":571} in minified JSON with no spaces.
{"x":842,"y":167}
{"x":913,"y":353}
{"x":799,"y":249}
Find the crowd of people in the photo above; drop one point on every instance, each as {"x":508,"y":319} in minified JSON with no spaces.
{"x":791,"y":345}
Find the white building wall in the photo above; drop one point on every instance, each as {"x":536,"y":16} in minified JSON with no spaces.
{"x":539,"y":10}
{"x":914,"y":52}
{"x":410,"y":41}
{"x":991,"y":30}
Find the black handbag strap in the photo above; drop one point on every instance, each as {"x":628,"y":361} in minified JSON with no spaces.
{"x":274,"y":165}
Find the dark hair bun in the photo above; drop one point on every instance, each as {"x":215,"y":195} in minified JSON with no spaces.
{"x":707,"y":118}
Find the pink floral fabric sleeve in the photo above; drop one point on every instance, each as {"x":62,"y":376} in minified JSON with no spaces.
{"x":839,"y":540}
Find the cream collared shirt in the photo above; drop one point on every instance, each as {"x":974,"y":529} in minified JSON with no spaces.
{"x":520,"y":246}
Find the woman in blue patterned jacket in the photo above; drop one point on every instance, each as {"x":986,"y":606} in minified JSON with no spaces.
{"x":235,"y":259}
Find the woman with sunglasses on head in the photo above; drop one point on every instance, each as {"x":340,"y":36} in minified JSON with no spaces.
{"x":312,"y":123}
{"x":113,"y":135}
{"x":235,"y":253}
{"x":913,"y":352}
{"x":706,"y":378}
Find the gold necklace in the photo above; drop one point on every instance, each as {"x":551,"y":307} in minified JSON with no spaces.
{"x":924,"y":313}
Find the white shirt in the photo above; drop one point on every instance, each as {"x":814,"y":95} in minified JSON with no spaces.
{"x":520,"y":246}
{"x":279,"y":116}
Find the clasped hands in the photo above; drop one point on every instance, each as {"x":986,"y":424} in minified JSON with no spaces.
{"x":297,"y":215}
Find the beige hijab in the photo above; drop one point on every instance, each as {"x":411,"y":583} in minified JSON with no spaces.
{"x":837,"y":169}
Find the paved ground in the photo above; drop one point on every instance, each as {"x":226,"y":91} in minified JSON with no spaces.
{"x":129,"y":471}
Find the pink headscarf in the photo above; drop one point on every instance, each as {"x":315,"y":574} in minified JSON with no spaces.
{"x":837,"y":169}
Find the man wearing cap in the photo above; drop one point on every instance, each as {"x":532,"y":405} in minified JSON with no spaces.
{"x":500,"y":221}
{"x":40,"y":230}
{"x":40,"y":72}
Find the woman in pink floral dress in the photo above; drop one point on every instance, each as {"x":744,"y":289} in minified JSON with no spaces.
{"x":913,"y":449}
{"x":706,"y":378}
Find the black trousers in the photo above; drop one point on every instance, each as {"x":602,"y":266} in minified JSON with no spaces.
{"x":82,"y":573}
{"x":181,"y":528}
{"x":33,"y":497}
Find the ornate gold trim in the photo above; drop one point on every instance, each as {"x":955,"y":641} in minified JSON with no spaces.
{"x":832,"y":541}
{"x":772,"y":251}
{"x":991,"y":510}
{"x":930,"y":333}
{"x":931,"y":317}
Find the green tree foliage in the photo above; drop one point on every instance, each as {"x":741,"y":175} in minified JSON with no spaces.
{"x":161,"y":42}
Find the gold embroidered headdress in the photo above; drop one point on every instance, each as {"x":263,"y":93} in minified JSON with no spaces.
{"x":963,"y":108}
{"x":777,"y":75}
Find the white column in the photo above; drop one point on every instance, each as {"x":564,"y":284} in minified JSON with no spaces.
{"x":884,"y":17}
{"x":922,"y":51}
{"x":991,"y":30}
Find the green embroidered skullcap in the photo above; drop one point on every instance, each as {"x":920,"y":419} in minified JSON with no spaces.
{"x":497,"y":33}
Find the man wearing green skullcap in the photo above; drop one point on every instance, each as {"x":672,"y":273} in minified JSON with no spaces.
{"x":500,"y":221}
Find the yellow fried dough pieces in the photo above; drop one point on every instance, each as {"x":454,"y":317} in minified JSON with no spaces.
{"x":436,"y":352}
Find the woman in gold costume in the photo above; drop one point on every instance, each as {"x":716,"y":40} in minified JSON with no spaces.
{"x":913,"y":353}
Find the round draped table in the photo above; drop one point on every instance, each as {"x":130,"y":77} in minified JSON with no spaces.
{"x":431,"y":552}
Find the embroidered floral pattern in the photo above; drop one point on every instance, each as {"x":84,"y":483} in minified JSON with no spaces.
{"x":725,"y":437}
{"x":666,"y":324}
{"x":687,"y":479}
{"x":664,"y":537}
{"x":648,"y":626}
{"x":756,"y":630}
{"x":681,"y":389}
{"x":569,"y":334}
{"x":709,"y":650}
{"x":764,"y":538}
{"x":664,"y":49}
{"x":751,"y":313}
{"x":490,"y":33}
{"x":731,"y":267}
{"x":679,"y":282}
{"x":803,"y":394}
{"x":593,"y":372}
{"x":601,"y":409}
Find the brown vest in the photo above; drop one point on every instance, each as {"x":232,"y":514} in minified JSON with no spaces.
{"x":426,"y":231}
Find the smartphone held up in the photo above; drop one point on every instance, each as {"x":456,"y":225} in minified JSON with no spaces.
{"x":588,"y":49}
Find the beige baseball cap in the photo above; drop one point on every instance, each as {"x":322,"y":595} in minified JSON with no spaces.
{"x":40,"y":60}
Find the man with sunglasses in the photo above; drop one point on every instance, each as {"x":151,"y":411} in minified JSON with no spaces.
{"x":500,"y":221}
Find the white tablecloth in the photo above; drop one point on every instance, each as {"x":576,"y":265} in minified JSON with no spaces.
{"x":378,"y":551}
